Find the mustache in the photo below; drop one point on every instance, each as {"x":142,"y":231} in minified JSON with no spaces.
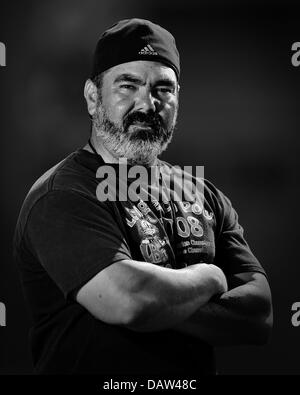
{"x":152,"y":119}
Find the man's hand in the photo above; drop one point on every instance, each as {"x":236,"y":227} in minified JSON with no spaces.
{"x":219,"y":277}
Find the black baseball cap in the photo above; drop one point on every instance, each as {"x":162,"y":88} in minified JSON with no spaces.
{"x":135,"y":39}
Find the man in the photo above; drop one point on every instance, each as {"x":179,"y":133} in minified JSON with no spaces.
{"x":134,"y":286}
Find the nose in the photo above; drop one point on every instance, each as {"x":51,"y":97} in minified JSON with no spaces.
{"x":145,"y":101}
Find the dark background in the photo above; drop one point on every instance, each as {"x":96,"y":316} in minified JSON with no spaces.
{"x":238,"y":117}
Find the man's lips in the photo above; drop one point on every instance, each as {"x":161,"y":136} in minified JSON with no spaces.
{"x":141,"y":125}
{"x":137,"y":123}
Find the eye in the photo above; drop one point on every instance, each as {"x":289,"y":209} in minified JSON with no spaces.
{"x":164,"y":90}
{"x":127,"y":87}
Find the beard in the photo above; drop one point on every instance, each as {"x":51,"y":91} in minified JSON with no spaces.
{"x":140,"y":138}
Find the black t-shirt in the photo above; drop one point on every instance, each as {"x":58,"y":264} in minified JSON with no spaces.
{"x":65,"y":236}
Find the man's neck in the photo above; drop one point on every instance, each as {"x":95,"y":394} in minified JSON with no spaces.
{"x":101,"y":150}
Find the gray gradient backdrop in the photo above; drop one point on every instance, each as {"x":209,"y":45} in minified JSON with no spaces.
{"x":239,"y":106}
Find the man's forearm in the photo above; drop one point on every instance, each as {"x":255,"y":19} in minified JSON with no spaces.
{"x":170,"y":296}
{"x":242,"y":315}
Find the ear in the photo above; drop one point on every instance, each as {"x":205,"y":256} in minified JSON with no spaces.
{"x":91,"y":95}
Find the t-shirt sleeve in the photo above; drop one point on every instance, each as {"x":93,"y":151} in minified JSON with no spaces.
{"x":233,"y":254}
{"x":74,"y":237}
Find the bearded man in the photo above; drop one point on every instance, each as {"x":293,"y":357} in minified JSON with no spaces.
{"x":134,"y":287}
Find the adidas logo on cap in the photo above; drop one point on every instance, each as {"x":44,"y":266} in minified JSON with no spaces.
{"x":147,"y":50}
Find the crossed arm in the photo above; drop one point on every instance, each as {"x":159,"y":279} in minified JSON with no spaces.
{"x":195,"y":300}
{"x":243,"y":315}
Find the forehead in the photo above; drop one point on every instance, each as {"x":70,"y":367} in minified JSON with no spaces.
{"x":146,"y":70}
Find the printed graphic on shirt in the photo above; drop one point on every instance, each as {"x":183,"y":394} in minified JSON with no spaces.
{"x":194,"y":233}
{"x":172,"y":234}
{"x":153,"y":242}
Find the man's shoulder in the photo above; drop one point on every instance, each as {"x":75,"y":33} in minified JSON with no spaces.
{"x":72,"y":173}
{"x":60,"y":176}
{"x":69,"y":176}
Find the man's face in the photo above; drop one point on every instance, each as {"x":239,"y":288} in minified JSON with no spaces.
{"x":137,"y":110}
